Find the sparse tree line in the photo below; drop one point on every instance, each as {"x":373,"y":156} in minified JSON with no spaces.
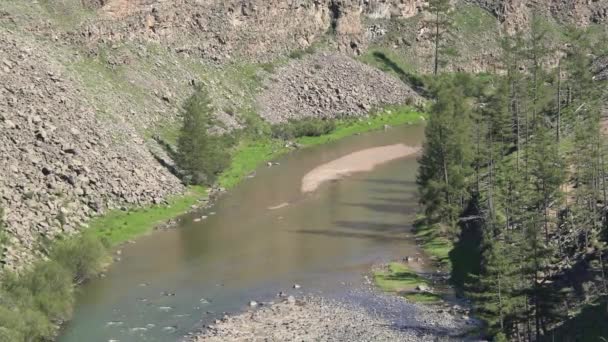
{"x":517,"y":164}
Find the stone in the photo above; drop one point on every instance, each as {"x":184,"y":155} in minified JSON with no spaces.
{"x":253,"y":303}
{"x":423,"y":288}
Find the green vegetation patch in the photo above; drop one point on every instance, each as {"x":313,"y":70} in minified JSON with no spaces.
{"x":33,"y":301}
{"x":249,"y":155}
{"x":433,"y":242}
{"x":423,"y":297}
{"x":472,"y":19}
{"x":399,"y":278}
{"x":392,"y":116}
{"x":119,"y":226}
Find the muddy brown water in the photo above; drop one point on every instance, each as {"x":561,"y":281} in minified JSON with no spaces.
{"x":170,"y":281}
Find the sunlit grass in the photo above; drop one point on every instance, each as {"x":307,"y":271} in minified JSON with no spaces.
{"x":397,"y":277}
{"x":119,"y":226}
{"x":250,"y":154}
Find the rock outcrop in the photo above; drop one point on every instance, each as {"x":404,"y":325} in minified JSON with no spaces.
{"x":515,"y":14}
{"x":327,"y":84}
{"x":60,"y":163}
{"x":258,"y":30}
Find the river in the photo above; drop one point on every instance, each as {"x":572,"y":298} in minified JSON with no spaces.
{"x":168,"y":281}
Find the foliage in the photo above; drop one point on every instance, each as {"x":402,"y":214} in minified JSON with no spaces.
{"x":445,"y":162}
{"x":441,"y":24}
{"x":309,"y":127}
{"x":495,"y":176}
{"x":399,"y":278}
{"x":35,"y":301}
{"x":201,"y":154}
{"x":299,"y":54}
{"x":119,"y":226}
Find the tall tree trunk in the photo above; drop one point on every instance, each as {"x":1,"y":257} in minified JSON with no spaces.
{"x":436,"y":43}
{"x":559,"y":99}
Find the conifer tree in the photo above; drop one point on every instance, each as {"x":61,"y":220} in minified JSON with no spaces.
{"x":441,"y":24}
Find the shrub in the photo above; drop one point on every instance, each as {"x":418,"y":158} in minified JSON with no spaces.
{"x":202,"y":155}
{"x":298,"y":54}
{"x":34,"y":301}
{"x":311,"y":127}
{"x":82,"y":256}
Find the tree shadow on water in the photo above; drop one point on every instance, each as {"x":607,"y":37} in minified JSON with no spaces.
{"x":374,"y":226}
{"x":357,"y":235}
{"x":404,"y":208}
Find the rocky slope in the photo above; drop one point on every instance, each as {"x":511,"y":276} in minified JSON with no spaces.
{"x":59,"y":162}
{"x":328,"y":84}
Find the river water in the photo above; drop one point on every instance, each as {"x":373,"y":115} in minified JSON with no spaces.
{"x":170,"y":281}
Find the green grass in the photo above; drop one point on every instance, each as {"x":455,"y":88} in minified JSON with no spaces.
{"x":392,"y":116}
{"x":120,"y":226}
{"x":473,"y":19}
{"x":433,"y":242}
{"x":423,"y":297}
{"x":400,"y":279}
{"x":251,"y":153}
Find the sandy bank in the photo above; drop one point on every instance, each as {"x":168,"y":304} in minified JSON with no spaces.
{"x":360,"y":161}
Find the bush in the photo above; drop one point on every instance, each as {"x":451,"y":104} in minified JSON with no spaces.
{"x":202,"y":155}
{"x":299,"y":54}
{"x":311,"y":127}
{"x":81,"y":257}
{"x":35,"y":301}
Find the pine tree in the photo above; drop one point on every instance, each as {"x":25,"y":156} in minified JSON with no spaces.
{"x":441,"y":24}
{"x":446,"y":160}
{"x":201,"y":154}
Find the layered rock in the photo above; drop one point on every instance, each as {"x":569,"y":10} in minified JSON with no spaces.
{"x":60,"y":162}
{"x":258,"y":30}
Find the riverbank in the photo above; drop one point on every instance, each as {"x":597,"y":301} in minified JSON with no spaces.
{"x":119,"y":226}
{"x":366,"y":316}
{"x":250,"y":154}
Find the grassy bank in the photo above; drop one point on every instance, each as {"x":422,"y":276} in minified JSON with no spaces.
{"x":398,"y":278}
{"x":434,"y":244}
{"x":251,"y":154}
{"x":119,"y":226}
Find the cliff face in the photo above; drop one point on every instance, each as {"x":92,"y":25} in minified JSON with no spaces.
{"x":253,"y":29}
{"x":514,"y":14}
